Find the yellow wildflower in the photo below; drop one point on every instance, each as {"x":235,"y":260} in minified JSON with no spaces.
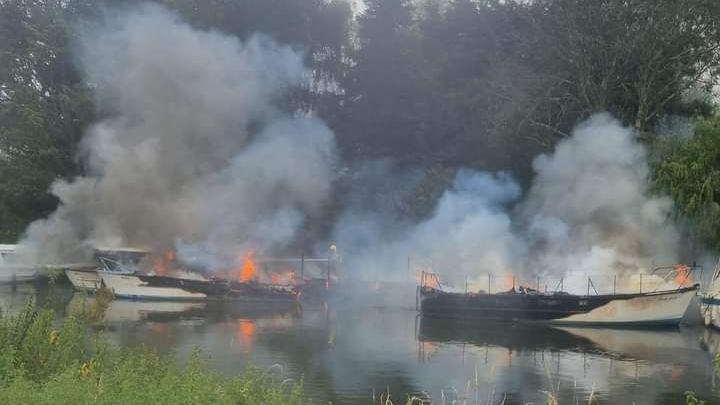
{"x":54,"y":337}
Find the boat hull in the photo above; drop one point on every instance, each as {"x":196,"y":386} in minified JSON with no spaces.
{"x":19,"y":274}
{"x":135,"y":287}
{"x":711,"y":311}
{"x":84,"y":279}
{"x":146,"y":287}
{"x":665,"y":308}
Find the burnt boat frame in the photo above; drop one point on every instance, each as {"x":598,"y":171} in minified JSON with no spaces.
{"x":215,"y":290}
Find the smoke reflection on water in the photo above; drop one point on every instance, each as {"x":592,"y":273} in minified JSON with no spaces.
{"x":343,"y":353}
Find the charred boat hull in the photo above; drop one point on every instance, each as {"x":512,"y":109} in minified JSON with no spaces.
{"x":663,"y":308}
{"x":148,"y":287}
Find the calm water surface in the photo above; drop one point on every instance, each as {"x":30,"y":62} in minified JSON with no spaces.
{"x":348,"y":353}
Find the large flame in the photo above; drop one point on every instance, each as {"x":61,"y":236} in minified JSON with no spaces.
{"x":247,"y":271}
{"x":423,"y":279}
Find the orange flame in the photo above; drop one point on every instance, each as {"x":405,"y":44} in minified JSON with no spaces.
{"x":247,"y":271}
{"x":160,"y":264}
{"x":507,"y":282}
{"x":427,"y":280}
{"x":682,"y":274}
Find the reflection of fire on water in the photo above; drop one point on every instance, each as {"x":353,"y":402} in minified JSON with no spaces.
{"x":161,"y":329}
{"x":245,"y":332}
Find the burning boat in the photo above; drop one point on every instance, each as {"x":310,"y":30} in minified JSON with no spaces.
{"x":170,"y":280}
{"x":655,"y":308}
{"x":193,"y":287}
{"x":86,"y":277}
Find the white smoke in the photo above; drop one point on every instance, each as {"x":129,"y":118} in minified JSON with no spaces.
{"x":192,"y":152}
{"x":471,"y":230}
{"x":588,"y":211}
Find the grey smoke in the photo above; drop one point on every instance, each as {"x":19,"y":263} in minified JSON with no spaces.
{"x":193,"y":152}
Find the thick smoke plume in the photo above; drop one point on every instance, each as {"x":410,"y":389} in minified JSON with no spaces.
{"x":587,"y":211}
{"x":193,"y":153}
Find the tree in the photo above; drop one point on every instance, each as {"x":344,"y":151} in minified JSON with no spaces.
{"x":635,"y":59}
{"x":44,"y":108}
{"x":690,"y":174}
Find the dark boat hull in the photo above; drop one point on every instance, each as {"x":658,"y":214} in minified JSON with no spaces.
{"x":665,"y":308}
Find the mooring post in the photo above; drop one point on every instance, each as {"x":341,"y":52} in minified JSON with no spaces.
{"x":513,"y":288}
{"x":614,"y":283}
{"x":489,"y":275}
{"x":640,"y":283}
{"x":327,"y":275}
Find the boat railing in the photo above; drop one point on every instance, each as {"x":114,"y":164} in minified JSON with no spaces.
{"x":661,"y":278}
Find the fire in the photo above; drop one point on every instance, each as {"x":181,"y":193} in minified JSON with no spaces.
{"x":286,"y":278}
{"x":507,"y":282}
{"x":247,"y":271}
{"x":424,"y":280}
{"x":682,"y":274}
{"x":161,"y":264}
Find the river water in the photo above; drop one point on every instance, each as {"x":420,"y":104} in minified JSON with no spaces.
{"x":352,"y":354}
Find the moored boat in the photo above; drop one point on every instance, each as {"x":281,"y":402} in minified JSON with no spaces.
{"x":189,"y":287}
{"x":12,"y":270}
{"x":656,"y":308}
{"x":711,"y":300}
{"x":84,"y":278}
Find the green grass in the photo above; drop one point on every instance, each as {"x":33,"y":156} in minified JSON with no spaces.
{"x":43,"y":362}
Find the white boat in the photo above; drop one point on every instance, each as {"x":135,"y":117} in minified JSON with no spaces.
{"x":13,"y":272}
{"x":19,"y":274}
{"x":136,"y":286}
{"x":84,"y":278}
{"x":711,"y":300}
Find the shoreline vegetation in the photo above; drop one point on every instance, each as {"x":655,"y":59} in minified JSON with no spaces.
{"x":43,"y":361}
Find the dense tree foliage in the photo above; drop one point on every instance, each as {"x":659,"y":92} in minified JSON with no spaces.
{"x":690,"y":173}
{"x":429,"y":84}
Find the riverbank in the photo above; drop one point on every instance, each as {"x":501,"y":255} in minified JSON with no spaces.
{"x":43,"y":361}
